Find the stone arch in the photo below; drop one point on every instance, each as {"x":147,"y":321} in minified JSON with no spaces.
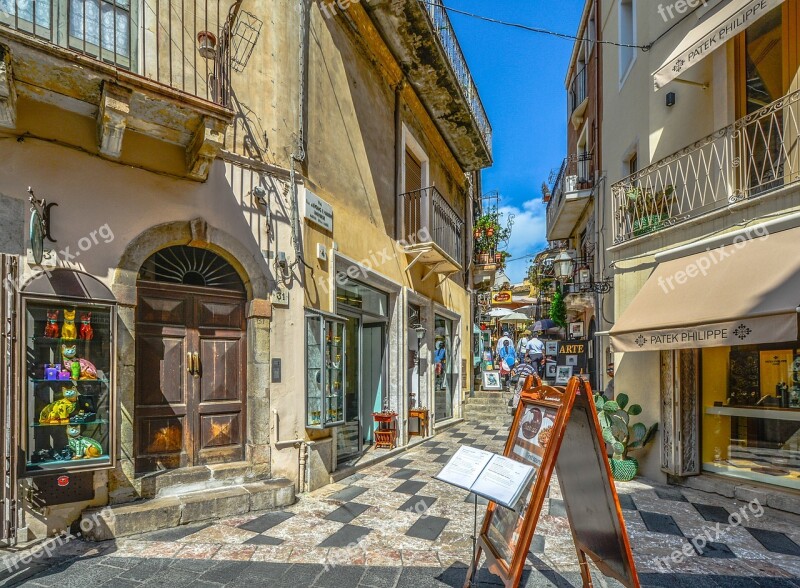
{"x":196,"y":233}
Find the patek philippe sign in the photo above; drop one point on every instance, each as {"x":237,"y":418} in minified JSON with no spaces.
{"x":318,"y":211}
{"x":712,"y":34}
{"x":748,"y":331}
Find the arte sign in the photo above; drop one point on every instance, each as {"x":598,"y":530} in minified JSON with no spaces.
{"x":720,"y":28}
{"x":318,"y":211}
{"x":574,"y":353}
{"x":747,"y":331}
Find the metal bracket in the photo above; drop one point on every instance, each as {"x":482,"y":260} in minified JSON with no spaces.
{"x":44,"y":211}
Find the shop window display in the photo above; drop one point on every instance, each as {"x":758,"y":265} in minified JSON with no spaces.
{"x":751,"y":413}
{"x":67,"y":391}
{"x":325,"y":340}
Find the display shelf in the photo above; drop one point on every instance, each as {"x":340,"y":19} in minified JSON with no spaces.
{"x":324,"y":390}
{"x":53,"y":445}
{"x":782,"y":414}
{"x":86,"y":424}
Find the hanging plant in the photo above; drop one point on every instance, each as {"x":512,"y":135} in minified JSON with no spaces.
{"x":558,"y":310}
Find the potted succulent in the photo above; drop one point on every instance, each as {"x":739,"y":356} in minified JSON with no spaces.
{"x":621,"y":434}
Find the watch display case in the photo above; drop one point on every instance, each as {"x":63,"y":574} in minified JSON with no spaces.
{"x":68,"y":407}
{"x":325,"y":371}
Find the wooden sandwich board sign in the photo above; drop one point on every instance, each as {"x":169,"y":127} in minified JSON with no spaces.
{"x":557,"y":428}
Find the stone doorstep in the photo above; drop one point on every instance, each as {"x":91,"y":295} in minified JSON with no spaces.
{"x":182,"y":480}
{"x":783,"y":499}
{"x":171,"y":511}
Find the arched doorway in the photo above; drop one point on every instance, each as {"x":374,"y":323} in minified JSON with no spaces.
{"x":190,"y":399}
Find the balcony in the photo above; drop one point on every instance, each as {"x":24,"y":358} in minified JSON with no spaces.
{"x":155,"y":75}
{"x":433,"y":232}
{"x":421,"y":37}
{"x":578,"y":98}
{"x":570,"y":195}
{"x":752,"y":157}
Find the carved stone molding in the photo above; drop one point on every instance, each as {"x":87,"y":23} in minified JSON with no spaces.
{"x":204,"y":147}
{"x":112,"y":119}
{"x":8,"y":93}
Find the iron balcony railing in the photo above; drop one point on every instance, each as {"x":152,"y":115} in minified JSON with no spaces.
{"x":183,"y":44}
{"x":577,"y":90}
{"x":427,"y":215}
{"x":755,"y":155}
{"x":575,"y":174}
{"x":449,"y":42}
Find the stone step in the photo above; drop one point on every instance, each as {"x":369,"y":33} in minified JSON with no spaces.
{"x":167,"y":512}
{"x":205,"y":477}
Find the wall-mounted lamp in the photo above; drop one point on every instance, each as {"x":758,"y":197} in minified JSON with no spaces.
{"x":260,"y":195}
{"x":670,"y":99}
{"x":420,"y":331}
{"x":207,"y":44}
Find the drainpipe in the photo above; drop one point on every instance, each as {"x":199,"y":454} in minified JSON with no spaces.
{"x":399,"y":153}
{"x":301,"y":478}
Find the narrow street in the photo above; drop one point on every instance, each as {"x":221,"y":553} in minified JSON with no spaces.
{"x":393,"y":525}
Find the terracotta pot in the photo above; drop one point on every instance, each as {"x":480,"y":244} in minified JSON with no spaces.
{"x":498,"y":258}
{"x":483,"y":259}
{"x":478,"y":233}
{"x":490,"y":232}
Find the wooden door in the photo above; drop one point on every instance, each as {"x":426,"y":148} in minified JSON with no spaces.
{"x":189,"y":403}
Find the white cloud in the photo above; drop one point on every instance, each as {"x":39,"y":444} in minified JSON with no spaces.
{"x":528,"y":235}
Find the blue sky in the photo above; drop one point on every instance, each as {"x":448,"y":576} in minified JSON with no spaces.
{"x":520,"y":76}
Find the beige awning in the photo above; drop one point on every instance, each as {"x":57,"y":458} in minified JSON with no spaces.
{"x":740,"y":294}
{"x":710,"y":33}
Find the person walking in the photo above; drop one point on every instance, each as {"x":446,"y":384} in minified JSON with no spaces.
{"x":521,"y":371}
{"x":508,"y":358}
{"x":535,"y":350}
{"x":501,"y":341}
{"x":522,"y":345}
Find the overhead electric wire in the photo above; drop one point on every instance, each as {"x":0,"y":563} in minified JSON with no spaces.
{"x":531,"y":29}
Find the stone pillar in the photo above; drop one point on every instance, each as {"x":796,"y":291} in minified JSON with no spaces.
{"x":259,"y":318}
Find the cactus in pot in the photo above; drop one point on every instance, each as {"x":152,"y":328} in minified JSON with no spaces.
{"x":622,"y":435}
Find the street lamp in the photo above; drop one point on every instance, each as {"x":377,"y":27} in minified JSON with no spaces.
{"x":563,"y":265}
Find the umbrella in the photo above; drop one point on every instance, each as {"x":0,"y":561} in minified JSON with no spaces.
{"x":499,"y":312}
{"x":544,"y":325}
{"x":514,"y":317}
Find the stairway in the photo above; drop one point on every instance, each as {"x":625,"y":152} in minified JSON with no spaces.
{"x":488,"y":407}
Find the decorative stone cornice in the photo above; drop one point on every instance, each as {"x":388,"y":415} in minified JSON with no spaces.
{"x":112,"y":119}
{"x":205,"y":146}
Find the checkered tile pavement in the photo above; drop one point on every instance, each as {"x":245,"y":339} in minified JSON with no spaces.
{"x":395,"y":515}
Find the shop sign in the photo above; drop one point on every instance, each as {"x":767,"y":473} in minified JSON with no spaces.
{"x":747,"y":331}
{"x":503,"y":297}
{"x":574,"y":353}
{"x":318,"y":211}
{"x":62,"y":481}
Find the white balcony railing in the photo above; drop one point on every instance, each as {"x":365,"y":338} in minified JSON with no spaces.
{"x":755,"y":155}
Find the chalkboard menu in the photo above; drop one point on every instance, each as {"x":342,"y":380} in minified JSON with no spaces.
{"x":745,"y":377}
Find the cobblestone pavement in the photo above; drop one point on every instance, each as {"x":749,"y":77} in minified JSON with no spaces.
{"x":393,"y":525}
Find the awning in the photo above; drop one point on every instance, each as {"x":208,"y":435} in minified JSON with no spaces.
{"x":716,"y":28}
{"x":740,"y":294}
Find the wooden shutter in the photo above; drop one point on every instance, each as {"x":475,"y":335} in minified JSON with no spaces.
{"x":413,"y":183}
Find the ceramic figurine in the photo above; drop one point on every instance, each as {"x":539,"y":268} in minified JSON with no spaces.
{"x":68,"y":331}
{"x":86,"y":332}
{"x":51,"y":371}
{"x":57,"y":413}
{"x":68,"y":356}
{"x":82,"y":447}
{"x":51,"y":328}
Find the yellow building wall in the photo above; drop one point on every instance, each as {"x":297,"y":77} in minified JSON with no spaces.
{"x":716,"y":429}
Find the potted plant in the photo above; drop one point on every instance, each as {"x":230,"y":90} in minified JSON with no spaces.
{"x":615,"y":420}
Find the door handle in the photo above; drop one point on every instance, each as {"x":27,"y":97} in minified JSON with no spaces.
{"x":189,"y":362}
{"x":196,"y":363}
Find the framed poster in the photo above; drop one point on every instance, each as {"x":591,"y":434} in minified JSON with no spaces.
{"x":563,"y":374}
{"x":576,"y":330}
{"x":492,"y":381}
{"x":551,"y":348}
{"x":550,"y":370}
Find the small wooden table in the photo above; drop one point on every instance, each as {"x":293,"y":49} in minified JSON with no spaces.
{"x":386,"y":435}
{"x":422,"y":415}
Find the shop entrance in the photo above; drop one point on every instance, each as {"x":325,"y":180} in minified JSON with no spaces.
{"x":365,"y":311}
{"x":8,"y":484}
{"x":190,"y":361}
